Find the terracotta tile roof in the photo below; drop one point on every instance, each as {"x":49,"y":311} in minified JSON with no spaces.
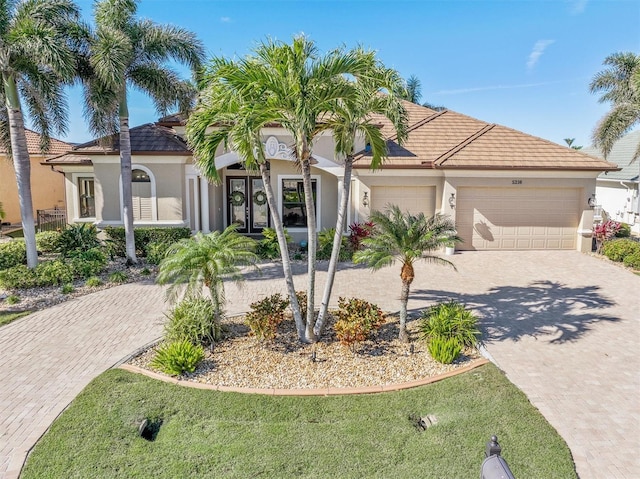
{"x":68,"y":159}
{"x":451,"y":140}
{"x":171,"y":120}
{"x":150,"y":137}
{"x":56,"y":147}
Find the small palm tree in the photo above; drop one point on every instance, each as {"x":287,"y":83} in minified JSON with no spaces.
{"x":128,"y":52}
{"x":413,"y":90}
{"x":407,"y":238}
{"x":206,"y":261}
{"x":619,"y":84}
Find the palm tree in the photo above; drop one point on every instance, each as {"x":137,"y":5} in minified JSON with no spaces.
{"x":37,"y":45}
{"x":413,"y":90}
{"x":126,"y":51}
{"x":619,"y":84}
{"x":570,"y":141}
{"x":406,"y":238}
{"x":353,"y":117}
{"x":206,"y":261}
{"x":237,"y":114}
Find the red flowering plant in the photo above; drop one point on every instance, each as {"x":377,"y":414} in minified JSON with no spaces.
{"x":358,"y":232}
{"x":603,"y":232}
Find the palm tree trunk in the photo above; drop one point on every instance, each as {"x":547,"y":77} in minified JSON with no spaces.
{"x":284,"y":250}
{"x":22,"y":166}
{"x":337,"y":244}
{"x":404,"y":299}
{"x":311,"y":245}
{"x":125,"y":173}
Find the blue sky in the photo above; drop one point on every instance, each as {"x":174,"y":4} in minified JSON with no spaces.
{"x":525,"y":64}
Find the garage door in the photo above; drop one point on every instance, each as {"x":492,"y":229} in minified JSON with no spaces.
{"x":415,"y":199}
{"x":517,"y":218}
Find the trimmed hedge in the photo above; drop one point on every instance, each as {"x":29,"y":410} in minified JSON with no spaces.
{"x":618,"y":250}
{"x":12,"y":253}
{"x":144,"y":238}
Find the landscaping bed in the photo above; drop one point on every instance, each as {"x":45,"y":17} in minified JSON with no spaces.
{"x":242,"y":361}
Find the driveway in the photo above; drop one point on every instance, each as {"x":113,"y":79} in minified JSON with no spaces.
{"x":562,"y":325}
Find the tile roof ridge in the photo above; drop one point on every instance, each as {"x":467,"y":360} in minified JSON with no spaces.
{"x":448,"y":154}
{"x":420,"y":123}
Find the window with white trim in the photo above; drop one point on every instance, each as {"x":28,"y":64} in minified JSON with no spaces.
{"x":86,"y":197}
{"x":294,"y":210}
{"x":141,"y":195}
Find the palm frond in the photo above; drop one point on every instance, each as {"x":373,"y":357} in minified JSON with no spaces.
{"x":159,"y":43}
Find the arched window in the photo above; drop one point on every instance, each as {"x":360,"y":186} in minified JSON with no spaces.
{"x":141,"y":194}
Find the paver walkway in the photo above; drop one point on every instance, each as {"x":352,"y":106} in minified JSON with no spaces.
{"x":562,"y":325}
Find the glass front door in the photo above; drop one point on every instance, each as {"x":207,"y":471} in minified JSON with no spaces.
{"x":247,"y":204}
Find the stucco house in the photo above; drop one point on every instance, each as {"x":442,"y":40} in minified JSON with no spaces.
{"x":505,"y":189}
{"x":617,"y":192}
{"x":47,"y":185}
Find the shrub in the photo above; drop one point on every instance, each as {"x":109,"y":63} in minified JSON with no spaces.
{"x":265,"y":316}
{"x":356,"y":320}
{"x":604,"y":231}
{"x":302,"y":302}
{"x":118,"y":277}
{"x":145,"y":271}
{"x":177,"y":357}
{"x":624,"y":231}
{"x":53,"y":273}
{"x":47,"y":241}
{"x":358,"y":232}
{"x":18,"y":277}
{"x":88,"y":263}
{"x":93,"y":282}
{"x":77,"y":238}
{"x":268,"y":247}
{"x":449,"y":321}
{"x":12,"y":299}
{"x":116,"y":242}
{"x":325,"y":245}
{"x":618,"y":250}
{"x":444,"y":350}
{"x":67,"y":288}
{"x":156,"y":251}
{"x":193,"y":320}
{"x":12,"y":253}
{"x":632,"y":260}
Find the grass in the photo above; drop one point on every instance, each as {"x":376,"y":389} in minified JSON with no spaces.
{"x":7,"y":317}
{"x":214,"y":434}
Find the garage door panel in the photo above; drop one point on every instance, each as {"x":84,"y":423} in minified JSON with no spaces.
{"x":415,"y":199}
{"x":515,"y":218}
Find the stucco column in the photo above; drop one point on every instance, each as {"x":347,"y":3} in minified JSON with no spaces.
{"x":204,"y":204}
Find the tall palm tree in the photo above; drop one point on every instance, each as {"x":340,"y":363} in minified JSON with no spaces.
{"x":37,"y":45}
{"x":126,"y":51}
{"x":206,"y":261}
{"x":231,"y":114}
{"x":619,"y":84}
{"x":407,"y":238}
{"x":412,"y":90}
{"x":354,"y":117}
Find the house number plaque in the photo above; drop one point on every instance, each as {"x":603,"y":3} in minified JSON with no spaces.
{"x":516,"y":182}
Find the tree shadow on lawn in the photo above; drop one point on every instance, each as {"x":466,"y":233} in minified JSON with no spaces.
{"x":544,"y":308}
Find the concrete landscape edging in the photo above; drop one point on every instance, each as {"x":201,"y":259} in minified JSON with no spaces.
{"x":305,"y":392}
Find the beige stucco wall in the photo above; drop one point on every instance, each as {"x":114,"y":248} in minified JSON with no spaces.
{"x":47,"y":188}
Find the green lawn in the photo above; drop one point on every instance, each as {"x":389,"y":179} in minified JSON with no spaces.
{"x":6,"y":317}
{"x":213,"y":434}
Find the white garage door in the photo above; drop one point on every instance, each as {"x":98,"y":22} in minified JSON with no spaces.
{"x":415,"y":199}
{"x":517,"y":218}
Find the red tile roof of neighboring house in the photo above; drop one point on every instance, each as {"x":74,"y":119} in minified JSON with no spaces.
{"x":56,"y":147}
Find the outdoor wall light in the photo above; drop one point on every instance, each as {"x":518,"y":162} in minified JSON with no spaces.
{"x":452,"y":200}
{"x":591,"y":201}
{"x":365,"y":200}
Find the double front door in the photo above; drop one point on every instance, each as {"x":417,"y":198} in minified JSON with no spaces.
{"x":247,"y":204}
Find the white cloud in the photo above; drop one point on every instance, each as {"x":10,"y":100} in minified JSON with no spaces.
{"x":225,"y":19}
{"x":536,"y":53}
{"x":576,"y":7}
{"x":497,"y":87}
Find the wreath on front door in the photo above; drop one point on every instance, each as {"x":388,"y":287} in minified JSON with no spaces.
{"x":237,"y":198}
{"x":259,"y":198}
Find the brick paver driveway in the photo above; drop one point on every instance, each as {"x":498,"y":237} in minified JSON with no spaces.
{"x":562,"y":325}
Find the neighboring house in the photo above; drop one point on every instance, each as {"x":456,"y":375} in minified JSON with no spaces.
{"x":505,"y":189}
{"x":47,"y":185}
{"x":617,"y":191}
